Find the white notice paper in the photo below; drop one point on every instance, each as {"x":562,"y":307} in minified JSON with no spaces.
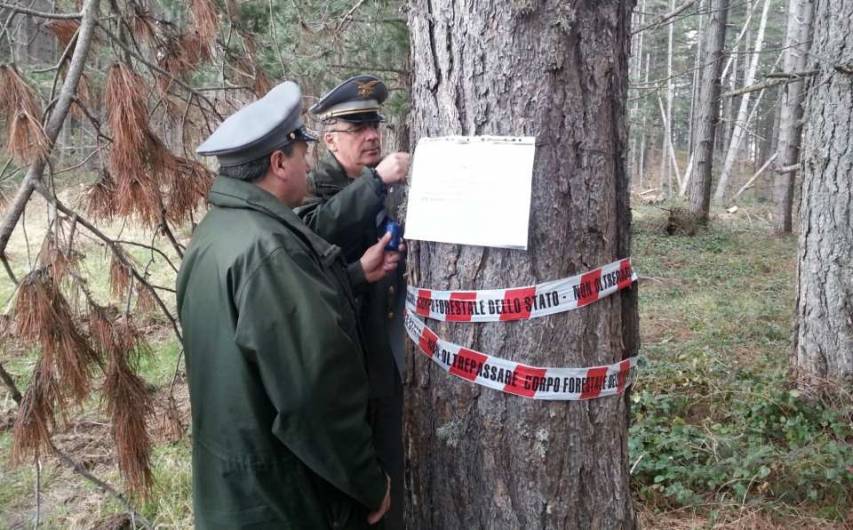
{"x":471,"y":190}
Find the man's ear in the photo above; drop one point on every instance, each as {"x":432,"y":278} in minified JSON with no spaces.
{"x":278,"y":163}
{"x":329,"y":140}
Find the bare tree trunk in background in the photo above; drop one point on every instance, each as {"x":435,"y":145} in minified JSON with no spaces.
{"x":729,"y":75}
{"x":791,"y":111}
{"x":697,"y":76}
{"x":669,"y":93}
{"x":823,"y":346}
{"x":725,"y":132}
{"x":764,"y":191}
{"x":708,"y":109}
{"x":478,"y":458}
{"x":643,"y":135}
{"x":740,"y":125}
{"x":638,"y":19}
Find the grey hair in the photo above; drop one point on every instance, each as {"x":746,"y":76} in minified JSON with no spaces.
{"x":253,"y":170}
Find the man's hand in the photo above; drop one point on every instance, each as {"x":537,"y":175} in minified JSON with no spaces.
{"x":375,"y":517}
{"x":377,"y":262}
{"x":394,"y":168}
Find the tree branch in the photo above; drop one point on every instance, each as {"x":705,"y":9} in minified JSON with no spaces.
{"x":117,"y":251}
{"x":756,"y":87}
{"x":791,"y":75}
{"x":787,"y":169}
{"x":149,"y":247}
{"x":663,"y":19}
{"x":159,"y":70}
{"x":68,"y":461}
{"x":10,"y":384}
{"x":69,"y":88}
{"x":346,"y":17}
{"x":106,"y":488}
{"x":40,"y":14}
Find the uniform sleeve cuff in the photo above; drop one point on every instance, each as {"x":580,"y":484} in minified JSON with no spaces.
{"x":376,"y":181}
{"x":356,"y":276}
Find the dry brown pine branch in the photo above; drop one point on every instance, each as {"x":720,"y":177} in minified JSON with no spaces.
{"x":114,"y":247}
{"x":57,"y":117}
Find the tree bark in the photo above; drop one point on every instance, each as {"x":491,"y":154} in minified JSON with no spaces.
{"x":791,"y":111}
{"x":740,"y":125}
{"x":823,"y":349}
{"x":708,"y":109}
{"x":478,"y":458}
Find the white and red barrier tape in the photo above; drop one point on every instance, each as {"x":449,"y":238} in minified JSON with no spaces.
{"x":522,"y":303}
{"x":519,"y":379}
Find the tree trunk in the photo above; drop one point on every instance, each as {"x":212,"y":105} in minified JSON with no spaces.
{"x":479,"y":458}
{"x":708,"y":109}
{"x":635,"y":77}
{"x":791,"y":111}
{"x":823,"y":349}
{"x":697,"y":76}
{"x":669,"y":94}
{"x":643,"y":132}
{"x":740,"y":125}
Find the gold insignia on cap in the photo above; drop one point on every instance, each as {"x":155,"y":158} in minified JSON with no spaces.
{"x":366,"y":89}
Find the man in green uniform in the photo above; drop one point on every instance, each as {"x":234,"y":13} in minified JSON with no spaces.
{"x":347,"y":208}
{"x":274,"y":356}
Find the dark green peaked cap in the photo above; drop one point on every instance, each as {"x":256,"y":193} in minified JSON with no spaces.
{"x":358,"y":99}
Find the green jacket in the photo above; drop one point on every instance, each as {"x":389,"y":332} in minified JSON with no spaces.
{"x":276,"y":373}
{"x":348,"y":212}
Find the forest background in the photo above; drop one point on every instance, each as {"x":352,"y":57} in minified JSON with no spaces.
{"x":720,"y":434}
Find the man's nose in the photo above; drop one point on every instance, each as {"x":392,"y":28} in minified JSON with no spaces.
{"x":372,"y":133}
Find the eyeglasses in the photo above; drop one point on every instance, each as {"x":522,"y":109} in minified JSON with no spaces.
{"x":360,"y":128}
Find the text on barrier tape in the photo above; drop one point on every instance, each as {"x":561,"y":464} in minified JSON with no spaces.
{"x":519,"y":379}
{"x":522,"y":303}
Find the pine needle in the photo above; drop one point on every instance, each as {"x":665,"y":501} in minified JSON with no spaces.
{"x":145,"y":302}
{"x":142,"y":23}
{"x":15,"y":94}
{"x":43,"y":315}
{"x":127,"y":117}
{"x":205,"y":20}
{"x":36,"y":417}
{"x":128,"y":405}
{"x":33,"y":310}
{"x":119,"y":278}
{"x":137,"y":157}
{"x":190,"y":183}
{"x":27,"y":140}
{"x":56,"y":258}
{"x":262,"y":82}
{"x":63,"y":29}
{"x":100,"y":197}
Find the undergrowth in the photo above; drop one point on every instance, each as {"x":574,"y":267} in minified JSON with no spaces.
{"x":714,"y":419}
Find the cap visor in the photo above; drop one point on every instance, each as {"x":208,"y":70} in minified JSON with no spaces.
{"x":306,"y":134}
{"x":363,"y":117}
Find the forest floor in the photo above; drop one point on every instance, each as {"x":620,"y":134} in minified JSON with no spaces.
{"x":718,"y":438}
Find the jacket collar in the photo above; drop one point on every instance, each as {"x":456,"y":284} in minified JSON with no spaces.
{"x":329,"y":177}
{"x":232,"y":193}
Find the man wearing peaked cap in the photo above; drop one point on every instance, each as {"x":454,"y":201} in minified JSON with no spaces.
{"x":274,"y":353}
{"x":347,"y":208}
